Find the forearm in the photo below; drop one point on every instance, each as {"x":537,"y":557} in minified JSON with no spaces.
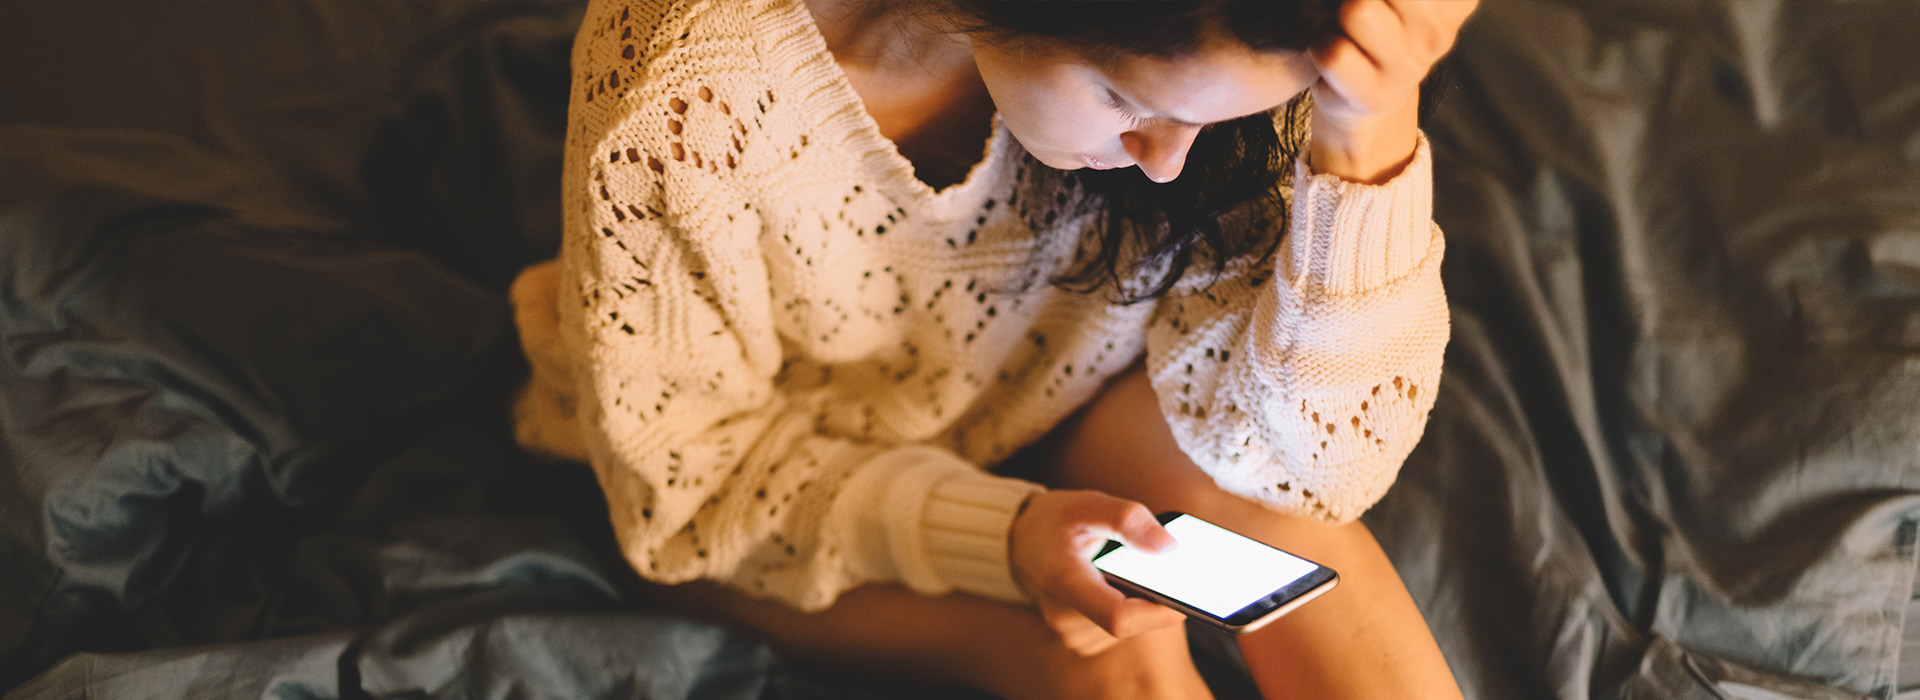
{"x":1304,"y":392}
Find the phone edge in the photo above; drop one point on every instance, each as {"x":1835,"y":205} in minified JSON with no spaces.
{"x":1204,"y":617}
{"x":1291,"y":605}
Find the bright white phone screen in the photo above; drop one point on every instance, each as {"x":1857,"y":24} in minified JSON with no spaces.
{"x":1213,"y":569}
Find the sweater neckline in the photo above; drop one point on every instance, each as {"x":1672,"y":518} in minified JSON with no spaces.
{"x":880,"y":153}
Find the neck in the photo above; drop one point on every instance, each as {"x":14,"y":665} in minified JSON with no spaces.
{"x":919,"y":84}
{"x":889,"y":38}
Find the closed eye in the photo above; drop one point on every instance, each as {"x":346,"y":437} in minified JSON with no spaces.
{"x":1113,"y":102}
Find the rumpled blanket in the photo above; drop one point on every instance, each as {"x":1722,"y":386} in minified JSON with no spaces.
{"x":255,"y":354}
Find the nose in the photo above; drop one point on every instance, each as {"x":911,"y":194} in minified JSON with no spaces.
{"x":1160,"y":150}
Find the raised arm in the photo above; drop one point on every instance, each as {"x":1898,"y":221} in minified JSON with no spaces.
{"x":1305,"y":382}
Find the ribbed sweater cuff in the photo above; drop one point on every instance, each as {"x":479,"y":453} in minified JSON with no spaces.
{"x":965,"y":524}
{"x":1348,"y":238}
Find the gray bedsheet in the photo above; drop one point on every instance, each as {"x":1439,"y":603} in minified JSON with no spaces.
{"x":1679,"y":422}
{"x":254,"y":355}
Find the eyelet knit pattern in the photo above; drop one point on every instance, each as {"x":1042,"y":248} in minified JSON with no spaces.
{"x":787,"y":359}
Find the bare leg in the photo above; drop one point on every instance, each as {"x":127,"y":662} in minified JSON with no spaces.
{"x":1003,"y":649}
{"x":1365,"y":639}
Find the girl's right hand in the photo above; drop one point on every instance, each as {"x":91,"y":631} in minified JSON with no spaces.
{"x":1050,"y":550}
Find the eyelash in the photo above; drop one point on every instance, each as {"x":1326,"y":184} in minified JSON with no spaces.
{"x":1120,"y":109}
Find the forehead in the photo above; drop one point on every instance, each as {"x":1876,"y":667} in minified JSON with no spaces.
{"x":1221,"y":78}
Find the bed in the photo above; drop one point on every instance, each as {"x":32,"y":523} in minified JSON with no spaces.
{"x":255,"y":354}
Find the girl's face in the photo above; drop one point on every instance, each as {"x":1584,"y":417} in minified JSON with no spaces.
{"x":1072,"y":113}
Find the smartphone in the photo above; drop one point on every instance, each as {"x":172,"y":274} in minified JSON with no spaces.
{"x":1217,"y":576}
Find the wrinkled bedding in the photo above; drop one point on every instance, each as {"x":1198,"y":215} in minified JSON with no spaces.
{"x":255,"y":356}
{"x":1677,"y":435}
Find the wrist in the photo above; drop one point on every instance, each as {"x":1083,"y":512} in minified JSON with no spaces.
{"x":1368,"y":152}
{"x":1014,"y":567}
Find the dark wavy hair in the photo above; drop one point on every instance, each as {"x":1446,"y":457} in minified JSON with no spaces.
{"x":1151,"y":233}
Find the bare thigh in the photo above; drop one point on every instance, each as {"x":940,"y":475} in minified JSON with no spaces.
{"x":1365,"y":639}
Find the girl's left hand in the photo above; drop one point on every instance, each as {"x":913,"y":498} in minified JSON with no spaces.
{"x":1050,"y":550}
{"x":1365,"y":105}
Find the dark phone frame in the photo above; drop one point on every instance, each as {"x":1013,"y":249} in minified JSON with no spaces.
{"x":1239,"y":621}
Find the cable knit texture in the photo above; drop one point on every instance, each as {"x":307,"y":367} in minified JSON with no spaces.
{"x":788,"y":359}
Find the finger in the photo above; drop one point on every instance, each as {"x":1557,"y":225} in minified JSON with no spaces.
{"x":1350,"y":69}
{"x":1447,"y":14}
{"x":1399,"y":10}
{"x":1383,"y":34}
{"x":1462,"y":9}
{"x":1374,"y":27}
{"x":1064,"y":620}
{"x":1339,"y":54}
{"x":1137,"y":616}
{"x":1432,"y":26}
{"x":1140,"y":530}
{"x":1346,"y":71}
{"x":1105,"y":516}
{"x":1122,"y":616}
{"x":1106,"y":607}
{"x":1084,"y":590}
{"x":1421,"y":34}
{"x":1390,"y":70}
{"x":1340,"y":51}
{"x":1076,"y":631}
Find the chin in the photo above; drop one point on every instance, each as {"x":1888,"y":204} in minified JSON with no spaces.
{"x":1060,"y":162}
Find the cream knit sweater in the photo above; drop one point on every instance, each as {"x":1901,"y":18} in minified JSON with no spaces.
{"x":788,"y":360}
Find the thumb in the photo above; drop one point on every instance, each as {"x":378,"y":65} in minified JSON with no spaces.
{"x":1139,"y":529}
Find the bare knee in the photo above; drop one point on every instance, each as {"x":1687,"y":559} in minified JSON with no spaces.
{"x":1120,"y":444}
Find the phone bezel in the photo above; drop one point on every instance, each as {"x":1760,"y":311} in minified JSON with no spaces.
{"x":1255,"y":615}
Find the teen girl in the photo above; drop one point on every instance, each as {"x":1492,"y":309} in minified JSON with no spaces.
{"x":830,"y":264}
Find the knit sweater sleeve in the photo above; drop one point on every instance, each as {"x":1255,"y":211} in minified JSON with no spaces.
{"x":1305,"y":382}
{"x":711,"y":467}
{"x":712,"y":471}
